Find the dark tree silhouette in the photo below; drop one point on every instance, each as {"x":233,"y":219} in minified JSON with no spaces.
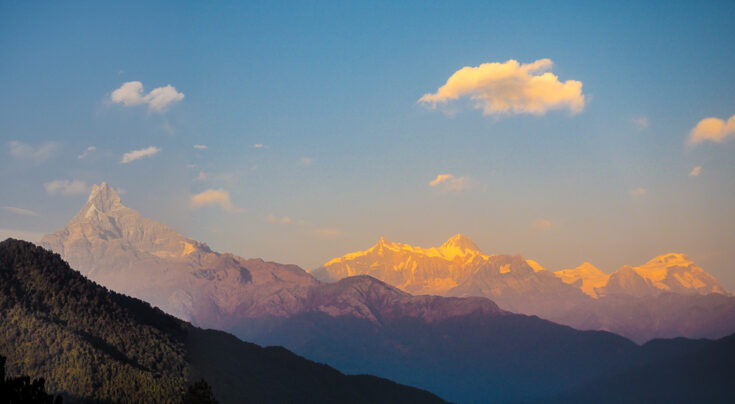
{"x":22,"y":390}
{"x":199,"y":393}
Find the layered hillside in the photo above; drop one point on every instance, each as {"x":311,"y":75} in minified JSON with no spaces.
{"x":688,"y":373}
{"x":91,"y":344}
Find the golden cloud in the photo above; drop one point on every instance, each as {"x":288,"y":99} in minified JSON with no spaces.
{"x":448,"y":182}
{"x":713,"y":130}
{"x":215,"y":197}
{"x":510,"y":88}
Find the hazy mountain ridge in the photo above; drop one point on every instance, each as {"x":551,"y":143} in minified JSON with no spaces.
{"x":693,"y":373}
{"x":95,"y":345}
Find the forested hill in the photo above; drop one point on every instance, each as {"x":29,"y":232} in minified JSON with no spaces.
{"x":91,"y":344}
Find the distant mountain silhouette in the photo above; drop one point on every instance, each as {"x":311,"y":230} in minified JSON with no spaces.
{"x":91,"y":344}
{"x":691,"y":372}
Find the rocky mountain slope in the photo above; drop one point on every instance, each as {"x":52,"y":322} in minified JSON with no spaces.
{"x":93,"y":345}
{"x":119,"y":248}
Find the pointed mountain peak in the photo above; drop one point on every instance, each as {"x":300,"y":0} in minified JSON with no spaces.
{"x":103,"y":198}
{"x":382,"y":243}
{"x":589,"y":268}
{"x":460,"y":242}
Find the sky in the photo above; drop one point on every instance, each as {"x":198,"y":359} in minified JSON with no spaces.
{"x":300,"y":131}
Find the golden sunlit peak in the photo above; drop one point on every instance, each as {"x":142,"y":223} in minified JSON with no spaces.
{"x":461,"y":242}
{"x":535,"y":266}
{"x":671,"y":259}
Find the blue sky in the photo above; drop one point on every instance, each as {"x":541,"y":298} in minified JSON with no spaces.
{"x":330,"y":90}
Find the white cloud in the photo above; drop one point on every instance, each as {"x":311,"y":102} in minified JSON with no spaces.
{"x":19,"y":211}
{"x":200,"y":147}
{"x":712,"y":129}
{"x":695,"y":171}
{"x":66,"y":187}
{"x":215,"y":197}
{"x":273,"y":219}
{"x":158,"y":100}
{"x":306,"y":161}
{"x":139,"y":154}
{"x":24,"y":151}
{"x":448,"y":182}
{"x":638,"y":192}
{"x":259,"y":146}
{"x":510,"y":88}
{"x":86,"y":152}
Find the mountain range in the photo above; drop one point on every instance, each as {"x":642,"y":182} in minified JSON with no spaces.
{"x":673,"y":295}
{"x":461,"y":346}
{"x":94,"y":345}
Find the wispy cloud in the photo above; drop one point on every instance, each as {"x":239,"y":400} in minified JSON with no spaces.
{"x":510,"y":88}
{"x":713,"y":130}
{"x":201,"y":177}
{"x":641,"y":122}
{"x":324,"y":233}
{"x":638,"y":192}
{"x":306,"y":161}
{"x":542,"y":224}
{"x":168,"y":128}
{"x":259,"y":146}
{"x":273,"y":219}
{"x":139,"y":154}
{"x":19,"y":211}
{"x":327,"y":233}
{"x":86,"y":152}
{"x":24,"y":151}
{"x":200,"y":147}
{"x":695,"y":171}
{"x":448,"y":182}
{"x":158,"y":100}
{"x":66,"y":187}
{"x":213,"y":197}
